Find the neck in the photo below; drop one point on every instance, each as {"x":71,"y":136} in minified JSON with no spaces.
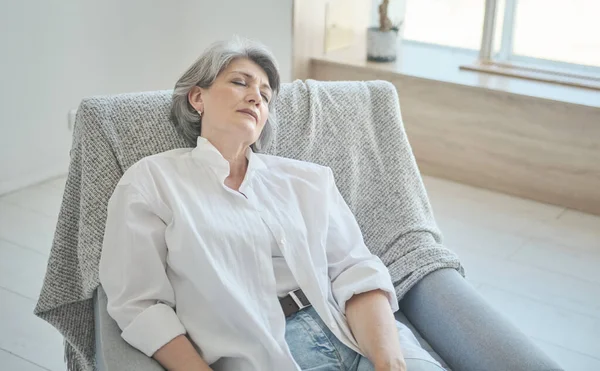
{"x":235,"y":154}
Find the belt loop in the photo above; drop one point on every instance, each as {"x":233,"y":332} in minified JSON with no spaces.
{"x":296,"y":300}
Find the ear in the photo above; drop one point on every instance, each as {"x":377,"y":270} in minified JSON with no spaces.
{"x":195,"y":98}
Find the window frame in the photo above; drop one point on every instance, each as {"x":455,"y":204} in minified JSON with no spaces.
{"x":506,"y":54}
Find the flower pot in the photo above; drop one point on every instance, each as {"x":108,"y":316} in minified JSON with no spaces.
{"x":382,"y":45}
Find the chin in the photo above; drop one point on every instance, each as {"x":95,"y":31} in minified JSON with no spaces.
{"x":248,"y":130}
{"x":249,"y":126}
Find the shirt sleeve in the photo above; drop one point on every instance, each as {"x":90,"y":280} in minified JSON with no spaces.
{"x":133,"y":272}
{"x":352,"y":268}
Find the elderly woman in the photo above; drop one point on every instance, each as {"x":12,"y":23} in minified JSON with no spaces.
{"x":221,"y":258}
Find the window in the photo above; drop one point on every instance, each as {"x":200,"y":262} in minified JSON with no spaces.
{"x":564,"y":31}
{"x":456,"y":23}
{"x":546,"y":35}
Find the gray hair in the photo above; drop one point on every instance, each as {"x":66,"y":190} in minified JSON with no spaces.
{"x":204,"y":72}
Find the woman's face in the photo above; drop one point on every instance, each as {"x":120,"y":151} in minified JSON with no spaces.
{"x":236,"y":105}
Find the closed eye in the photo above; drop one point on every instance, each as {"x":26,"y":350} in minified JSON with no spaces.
{"x":241,"y":83}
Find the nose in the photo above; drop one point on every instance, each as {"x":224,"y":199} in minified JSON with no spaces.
{"x":254,"y":96}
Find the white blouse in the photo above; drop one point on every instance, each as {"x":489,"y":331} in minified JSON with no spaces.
{"x":183,"y":253}
{"x":284,"y":278}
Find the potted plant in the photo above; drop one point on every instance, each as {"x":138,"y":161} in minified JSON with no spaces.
{"x":382,"y":40}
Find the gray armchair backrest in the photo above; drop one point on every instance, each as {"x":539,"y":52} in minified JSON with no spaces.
{"x":353,"y":127}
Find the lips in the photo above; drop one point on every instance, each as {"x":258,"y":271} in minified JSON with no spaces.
{"x":249,"y":112}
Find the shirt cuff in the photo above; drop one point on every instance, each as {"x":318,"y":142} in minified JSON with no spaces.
{"x":153,"y":328}
{"x":364,"y":277}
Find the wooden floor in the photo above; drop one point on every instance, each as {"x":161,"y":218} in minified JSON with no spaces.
{"x":538,"y":264}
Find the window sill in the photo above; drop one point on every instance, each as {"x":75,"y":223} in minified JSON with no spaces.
{"x":443,"y":64}
{"x":534,"y":74}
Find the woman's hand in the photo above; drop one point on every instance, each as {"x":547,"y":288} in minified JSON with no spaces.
{"x":373,"y":325}
{"x":180,"y":355}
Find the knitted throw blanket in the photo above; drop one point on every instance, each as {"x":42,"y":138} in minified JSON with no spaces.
{"x":353,"y":127}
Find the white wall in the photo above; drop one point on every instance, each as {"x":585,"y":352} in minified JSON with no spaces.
{"x":54,"y":53}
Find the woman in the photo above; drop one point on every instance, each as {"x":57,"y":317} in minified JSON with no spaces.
{"x":221,"y":258}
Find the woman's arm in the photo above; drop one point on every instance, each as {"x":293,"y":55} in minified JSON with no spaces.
{"x":179,"y":355}
{"x":133,"y":273}
{"x":373,"y":324}
{"x":362,"y":286}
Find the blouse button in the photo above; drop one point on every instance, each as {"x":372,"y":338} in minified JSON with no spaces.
{"x":282,"y":241}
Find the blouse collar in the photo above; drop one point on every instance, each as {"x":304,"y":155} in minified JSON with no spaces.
{"x":208,"y":154}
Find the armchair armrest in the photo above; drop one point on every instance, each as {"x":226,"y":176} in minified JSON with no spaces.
{"x":466,"y":331}
{"x":112,"y":352}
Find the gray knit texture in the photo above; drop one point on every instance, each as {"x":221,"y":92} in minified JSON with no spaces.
{"x":353,"y":127}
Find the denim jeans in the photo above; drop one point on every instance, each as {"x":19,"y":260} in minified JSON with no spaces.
{"x":316,"y":348}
